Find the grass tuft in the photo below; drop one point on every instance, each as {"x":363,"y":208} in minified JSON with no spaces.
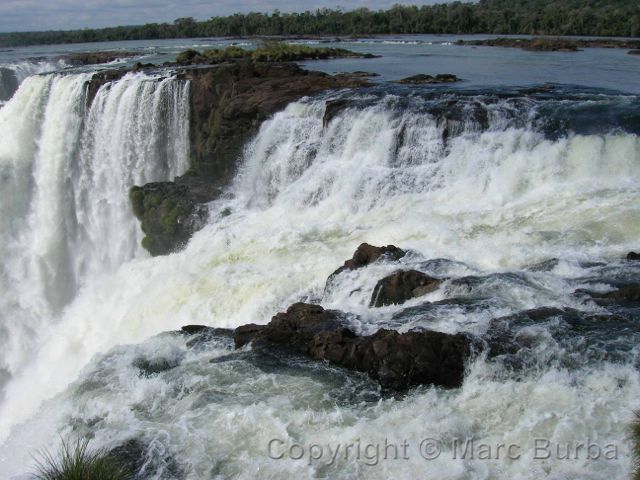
{"x":75,"y":461}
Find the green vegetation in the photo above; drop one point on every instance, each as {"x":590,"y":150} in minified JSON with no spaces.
{"x":266,"y":52}
{"x":635,"y":439}
{"x":77,"y":462}
{"x":533,"y":17}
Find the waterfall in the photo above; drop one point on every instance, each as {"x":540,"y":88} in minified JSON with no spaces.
{"x":65,"y":172}
{"x":473,"y":186}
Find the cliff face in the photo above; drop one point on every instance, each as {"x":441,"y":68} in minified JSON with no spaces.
{"x":228,"y":104}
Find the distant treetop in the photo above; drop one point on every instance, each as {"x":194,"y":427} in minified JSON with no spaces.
{"x":532,"y":17}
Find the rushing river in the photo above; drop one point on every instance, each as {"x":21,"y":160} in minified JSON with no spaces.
{"x":516,"y":197}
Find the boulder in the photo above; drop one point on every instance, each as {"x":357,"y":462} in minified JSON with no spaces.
{"x":397,"y":360}
{"x":401,"y":286}
{"x":366,"y":254}
{"x":294,"y":328}
{"x":633,"y":256}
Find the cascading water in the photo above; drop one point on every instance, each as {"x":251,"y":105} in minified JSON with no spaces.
{"x":480,"y":191}
{"x":65,"y":173}
{"x":13,"y":74}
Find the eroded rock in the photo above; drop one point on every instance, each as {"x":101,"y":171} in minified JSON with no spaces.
{"x":366,"y":254}
{"x":401,"y":286}
{"x":397,"y":360}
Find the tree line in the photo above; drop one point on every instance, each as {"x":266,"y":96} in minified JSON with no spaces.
{"x":532,"y":17}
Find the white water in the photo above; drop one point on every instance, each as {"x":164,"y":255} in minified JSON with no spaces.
{"x":66,"y":171}
{"x":496,"y":200}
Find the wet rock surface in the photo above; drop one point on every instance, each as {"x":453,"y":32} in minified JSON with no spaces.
{"x":397,"y":360}
{"x":401,"y":286}
{"x":366,"y":254}
{"x":423,"y":79}
{"x":228,"y":105}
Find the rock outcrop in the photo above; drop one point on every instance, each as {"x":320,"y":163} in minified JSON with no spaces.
{"x":624,"y":294}
{"x":95,"y":58}
{"x":8,"y":83}
{"x":401,"y":286}
{"x":397,"y":360}
{"x":366,"y":254}
{"x":228,"y":105}
{"x":546,"y":44}
{"x":633,"y":256}
{"x":169,"y":212}
{"x":423,"y":79}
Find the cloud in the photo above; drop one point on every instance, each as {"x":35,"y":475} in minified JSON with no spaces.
{"x":21,"y":15}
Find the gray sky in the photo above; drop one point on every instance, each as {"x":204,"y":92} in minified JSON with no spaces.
{"x":20,"y":15}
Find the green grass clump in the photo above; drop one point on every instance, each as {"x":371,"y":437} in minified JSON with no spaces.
{"x":634,"y":433}
{"x":75,"y":461}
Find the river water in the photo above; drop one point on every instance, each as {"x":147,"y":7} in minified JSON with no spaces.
{"x":516,"y":197}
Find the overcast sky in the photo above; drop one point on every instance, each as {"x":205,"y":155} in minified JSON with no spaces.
{"x":20,"y":15}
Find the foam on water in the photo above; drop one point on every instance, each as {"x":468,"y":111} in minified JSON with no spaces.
{"x":490,"y":200}
{"x":66,"y":170}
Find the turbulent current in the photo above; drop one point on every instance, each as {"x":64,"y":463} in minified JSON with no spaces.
{"x":516,"y":199}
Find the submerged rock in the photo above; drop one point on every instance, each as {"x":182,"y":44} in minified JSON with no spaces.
{"x":625,"y":294}
{"x":423,"y":79}
{"x":401,"y":286}
{"x":398,"y":361}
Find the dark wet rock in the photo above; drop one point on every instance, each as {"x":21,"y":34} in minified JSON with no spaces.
{"x":228,"y":103}
{"x":332,"y":109}
{"x":543,"y":266}
{"x":169,"y":212}
{"x":401,"y":286}
{"x":195,"y":329}
{"x":397,"y":361}
{"x":358,"y":74}
{"x":366,"y":254}
{"x":101,"y":78}
{"x":8,"y":84}
{"x":625,"y":294}
{"x":453,"y":117}
{"x":153,"y":366}
{"x":246,"y":334}
{"x":633,"y":256}
{"x":294,"y":328}
{"x":131,"y":456}
{"x":423,"y":79}
{"x":94,"y":58}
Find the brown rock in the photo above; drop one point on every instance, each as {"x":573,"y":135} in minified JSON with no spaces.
{"x":397,"y":361}
{"x":366,"y":254}
{"x":401,"y":286}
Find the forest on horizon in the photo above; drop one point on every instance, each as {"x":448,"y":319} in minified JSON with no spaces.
{"x":617,"y":18}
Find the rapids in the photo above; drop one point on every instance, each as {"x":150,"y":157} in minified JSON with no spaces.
{"x":481,"y":185}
